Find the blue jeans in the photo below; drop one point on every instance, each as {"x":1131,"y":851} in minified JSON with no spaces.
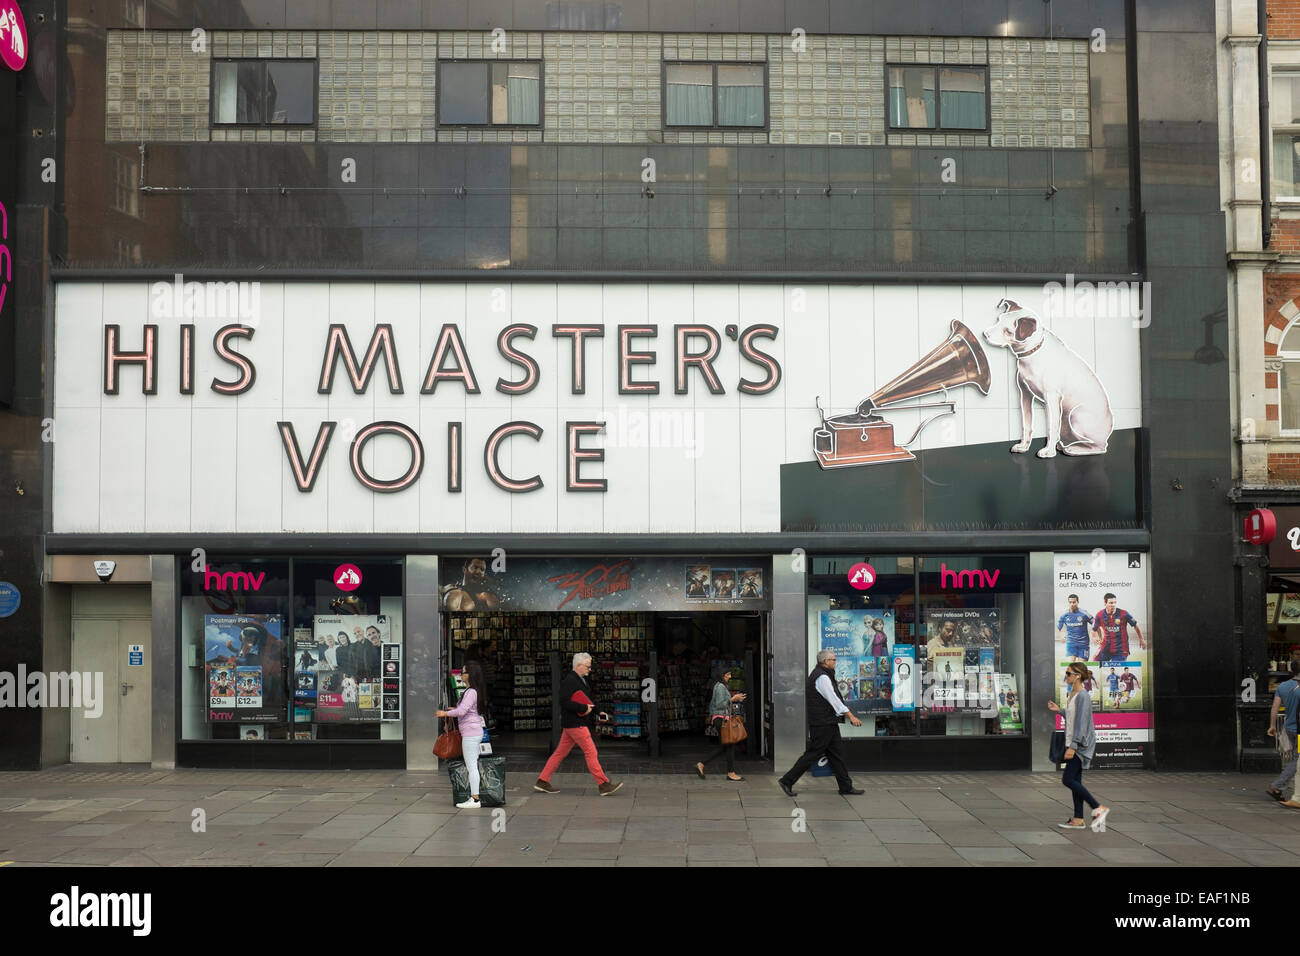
{"x":469,"y":752}
{"x":1073,"y":778}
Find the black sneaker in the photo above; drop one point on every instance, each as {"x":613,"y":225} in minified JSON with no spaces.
{"x":789,"y":790}
{"x":542,"y":786}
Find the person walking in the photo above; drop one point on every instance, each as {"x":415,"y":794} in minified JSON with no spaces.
{"x":468,"y":713}
{"x":1288,"y":696}
{"x":825,"y":709}
{"x":1080,"y":741}
{"x":577,"y":721}
{"x":720,"y":702}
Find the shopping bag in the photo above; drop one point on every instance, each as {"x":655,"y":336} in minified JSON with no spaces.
{"x":822,"y":768}
{"x":492,"y":781}
{"x":459,"y":774}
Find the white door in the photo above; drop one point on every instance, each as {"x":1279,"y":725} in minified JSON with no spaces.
{"x":121,"y":732}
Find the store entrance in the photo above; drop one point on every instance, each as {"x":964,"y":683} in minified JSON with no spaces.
{"x":652,"y":674}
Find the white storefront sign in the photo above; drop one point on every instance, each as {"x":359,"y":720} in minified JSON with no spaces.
{"x":361,"y":407}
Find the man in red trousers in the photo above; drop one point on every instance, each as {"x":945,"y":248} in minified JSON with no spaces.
{"x":577,"y":721}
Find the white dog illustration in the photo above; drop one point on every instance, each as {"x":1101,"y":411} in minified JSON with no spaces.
{"x":1079,"y":421}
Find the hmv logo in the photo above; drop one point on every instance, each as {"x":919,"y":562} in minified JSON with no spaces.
{"x":232,"y":580}
{"x":967,"y":579}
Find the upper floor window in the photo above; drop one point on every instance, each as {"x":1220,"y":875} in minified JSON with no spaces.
{"x":1284,"y":116}
{"x":263,"y":92}
{"x":1288,"y":380}
{"x":489,"y":93}
{"x":715,"y":95}
{"x":938,"y":98}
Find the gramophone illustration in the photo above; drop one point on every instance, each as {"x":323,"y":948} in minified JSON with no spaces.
{"x":865,"y":438}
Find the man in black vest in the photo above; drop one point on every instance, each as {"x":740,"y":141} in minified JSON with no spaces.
{"x":825,"y":708}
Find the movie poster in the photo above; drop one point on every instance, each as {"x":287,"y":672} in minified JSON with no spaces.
{"x":864,"y":670}
{"x":1009,"y":721}
{"x":340,"y":670}
{"x":243,"y":655}
{"x":1102,"y":616}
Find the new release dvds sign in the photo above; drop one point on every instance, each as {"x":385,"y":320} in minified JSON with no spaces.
{"x":242,"y":658}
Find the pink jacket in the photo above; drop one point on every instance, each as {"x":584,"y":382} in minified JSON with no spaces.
{"x":471,"y":724}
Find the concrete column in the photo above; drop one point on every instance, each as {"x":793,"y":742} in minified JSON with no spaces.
{"x":423,"y":668}
{"x":162,"y":660}
{"x":789,"y":659}
{"x":1041,"y":675}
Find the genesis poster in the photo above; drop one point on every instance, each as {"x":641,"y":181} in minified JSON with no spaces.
{"x":242,"y":656}
{"x":863,"y":642}
{"x":339,"y":669}
{"x":1102,"y":616}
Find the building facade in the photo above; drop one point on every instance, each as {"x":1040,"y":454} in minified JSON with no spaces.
{"x":381,"y":339}
{"x":1259,"y":65}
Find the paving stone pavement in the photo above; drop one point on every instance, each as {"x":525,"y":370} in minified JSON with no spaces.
{"x":87,"y":816}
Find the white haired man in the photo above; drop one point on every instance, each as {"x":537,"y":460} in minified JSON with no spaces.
{"x":576,"y":717}
{"x":825,"y":708}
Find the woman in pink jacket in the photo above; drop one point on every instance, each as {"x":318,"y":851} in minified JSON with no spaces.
{"x":467,"y":712}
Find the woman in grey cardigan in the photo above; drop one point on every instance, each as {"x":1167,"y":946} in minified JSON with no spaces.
{"x":719,"y":711}
{"x":1080,"y":742}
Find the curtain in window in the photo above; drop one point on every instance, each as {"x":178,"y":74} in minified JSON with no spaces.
{"x":227,"y":88}
{"x":962,"y":99}
{"x":525,"y":101}
{"x":911,"y":98}
{"x":740,"y":106}
{"x":690,"y":96}
{"x":740,"y":96}
{"x":1286,"y":165}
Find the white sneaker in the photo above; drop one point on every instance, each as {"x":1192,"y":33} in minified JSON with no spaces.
{"x":470,"y":804}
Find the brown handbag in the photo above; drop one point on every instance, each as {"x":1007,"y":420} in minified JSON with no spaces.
{"x":733,"y":730}
{"x":447,"y":745}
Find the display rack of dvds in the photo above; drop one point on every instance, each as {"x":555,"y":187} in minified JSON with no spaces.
{"x":683,"y":695}
{"x":617,"y":685}
{"x":515,"y":649}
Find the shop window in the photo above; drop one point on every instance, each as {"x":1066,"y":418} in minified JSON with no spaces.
{"x":263,"y":92}
{"x":348,"y":650}
{"x":234,"y":650}
{"x":949,"y":664}
{"x":1288,"y":380}
{"x":284,"y":650}
{"x":715,"y":95}
{"x":489,"y":93}
{"x":1284,"y":117}
{"x":961,"y":102}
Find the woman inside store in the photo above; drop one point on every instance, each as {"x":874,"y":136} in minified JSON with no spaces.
{"x":1080,"y":741}
{"x":472,"y":703}
{"x":720,"y":703}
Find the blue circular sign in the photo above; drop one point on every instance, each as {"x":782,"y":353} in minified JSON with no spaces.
{"x":9,"y":599}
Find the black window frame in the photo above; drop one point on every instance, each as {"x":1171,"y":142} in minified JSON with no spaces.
{"x":766,"y":125}
{"x":541,"y":94}
{"x":263,"y":61}
{"x":938,"y":126}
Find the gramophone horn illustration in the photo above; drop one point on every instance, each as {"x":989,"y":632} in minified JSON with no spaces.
{"x":866,"y":438}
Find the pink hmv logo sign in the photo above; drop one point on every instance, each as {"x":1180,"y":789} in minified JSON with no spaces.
{"x":347,"y":577}
{"x":13,"y":35}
